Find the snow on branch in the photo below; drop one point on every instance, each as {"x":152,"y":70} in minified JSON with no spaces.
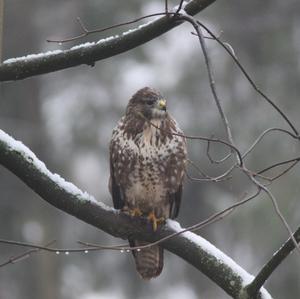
{"x":21,"y":161}
{"x":26,"y":154}
{"x":89,"y":53}
{"x":229,"y":272}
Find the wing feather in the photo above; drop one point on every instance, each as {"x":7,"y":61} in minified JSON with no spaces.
{"x":115,"y":189}
{"x":175,"y":201}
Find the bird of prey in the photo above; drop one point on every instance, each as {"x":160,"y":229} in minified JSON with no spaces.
{"x":147,"y":165}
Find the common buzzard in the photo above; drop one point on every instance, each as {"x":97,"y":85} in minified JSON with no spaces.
{"x":147,"y":163}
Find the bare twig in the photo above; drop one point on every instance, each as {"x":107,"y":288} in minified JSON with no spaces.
{"x":209,"y":37}
{"x":22,"y":256}
{"x":179,"y":7}
{"x":59,"y":250}
{"x":235,"y":149}
{"x":284,"y":171}
{"x":294,"y":161}
{"x":206,"y":178}
{"x":277,"y":209}
{"x":86,"y":32}
{"x":252,"y":83}
{"x":268,"y":269}
{"x":263,"y":134}
{"x":193,"y":22}
{"x":214,"y":161}
{"x":193,"y":179}
{"x":195,"y":166}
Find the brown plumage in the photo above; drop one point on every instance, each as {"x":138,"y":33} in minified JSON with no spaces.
{"x":147,"y":162}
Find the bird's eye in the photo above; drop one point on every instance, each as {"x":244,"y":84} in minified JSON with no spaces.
{"x":150,"y":102}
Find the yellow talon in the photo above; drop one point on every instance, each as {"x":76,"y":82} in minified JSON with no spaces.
{"x":155,"y":221}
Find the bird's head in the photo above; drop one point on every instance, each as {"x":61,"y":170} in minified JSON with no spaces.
{"x":147,"y":103}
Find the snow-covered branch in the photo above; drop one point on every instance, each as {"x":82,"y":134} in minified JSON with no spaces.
{"x":89,"y":53}
{"x":64,"y":195}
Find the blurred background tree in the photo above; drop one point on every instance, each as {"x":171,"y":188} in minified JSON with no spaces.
{"x":66,"y":118}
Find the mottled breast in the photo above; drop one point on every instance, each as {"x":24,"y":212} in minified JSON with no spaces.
{"x":150,"y":163}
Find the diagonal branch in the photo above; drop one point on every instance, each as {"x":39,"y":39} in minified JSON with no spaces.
{"x":89,"y":53}
{"x":267,"y":270}
{"x":250,"y":80}
{"x":67,"y":197}
{"x":216,"y":98}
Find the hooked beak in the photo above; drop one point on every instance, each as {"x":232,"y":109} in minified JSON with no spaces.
{"x":162,"y":104}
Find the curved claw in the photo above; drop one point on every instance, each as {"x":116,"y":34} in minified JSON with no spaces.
{"x":155,"y":221}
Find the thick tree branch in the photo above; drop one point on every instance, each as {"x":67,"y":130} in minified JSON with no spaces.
{"x":267,"y":270}
{"x":32,"y":65}
{"x":65,"y":196}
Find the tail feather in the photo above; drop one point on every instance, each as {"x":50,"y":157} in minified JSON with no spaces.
{"x":149,"y":261}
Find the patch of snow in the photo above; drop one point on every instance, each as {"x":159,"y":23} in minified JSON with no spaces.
{"x":18,"y":146}
{"x":32,"y":56}
{"x":138,"y":28}
{"x":80,"y":46}
{"x":88,"y":44}
{"x":129,"y":31}
{"x":222,"y":257}
{"x":91,"y":44}
{"x":106,"y":39}
{"x":85,"y":45}
{"x":55,"y":52}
